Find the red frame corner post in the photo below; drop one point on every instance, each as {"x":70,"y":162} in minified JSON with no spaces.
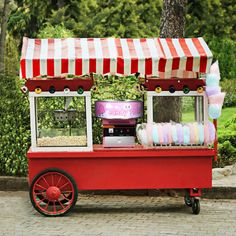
{"x":216,"y":141}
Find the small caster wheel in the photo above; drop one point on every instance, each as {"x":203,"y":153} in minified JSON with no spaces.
{"x":195,"y":206}
{"x":187,"y":200}
{"x":53,"y":192}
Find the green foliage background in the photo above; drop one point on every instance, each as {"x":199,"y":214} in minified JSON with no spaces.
{"x":14,"y":127}
{"x":215,"y":20}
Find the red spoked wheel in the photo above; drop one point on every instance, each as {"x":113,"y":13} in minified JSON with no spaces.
{"x":53,"y":192}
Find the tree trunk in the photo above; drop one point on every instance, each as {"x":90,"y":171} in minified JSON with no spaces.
{"x":172,"y":26}
{"x":5,"y":14}
{"x":173,"y":19}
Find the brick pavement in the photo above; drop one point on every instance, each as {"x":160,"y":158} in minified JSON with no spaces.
{"x":118,"y":215}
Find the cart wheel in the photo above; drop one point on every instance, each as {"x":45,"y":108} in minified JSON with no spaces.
{"x":195,"y":206}
{"x":53,"y":192}
{"x":187,"y":200}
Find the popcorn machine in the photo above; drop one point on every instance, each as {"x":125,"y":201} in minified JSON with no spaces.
{"x":58,"y":76}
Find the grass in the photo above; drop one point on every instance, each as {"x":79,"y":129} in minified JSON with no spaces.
{"x":227,"y":114}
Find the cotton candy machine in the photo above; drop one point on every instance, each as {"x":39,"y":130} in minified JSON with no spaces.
{"x":119,"y":121}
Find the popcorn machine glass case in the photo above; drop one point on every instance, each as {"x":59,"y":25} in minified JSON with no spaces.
{"x":60,"y":123}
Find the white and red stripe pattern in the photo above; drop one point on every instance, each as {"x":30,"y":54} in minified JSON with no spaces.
{"x":159,"y":57}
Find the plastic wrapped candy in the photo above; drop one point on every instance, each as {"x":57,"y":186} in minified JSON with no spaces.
{"x":212,"y":132}
{"x":168,"y":126}
{"x":191,"y":130}
{"x":209,"y":133}
{"x":142,"y":134}
{"x":149,"y":128}
{"x":179,"y":133}
{"x":196,"y":133}
{"x":176,"y":133}
{"x":214,"y":69}
{"x":160,"y":133}
{"x":212,"y":80}
{"x":213,"y":90}
{"x":217,"y":99}
{"x":214,"y":111}
{"x":165,"y":133}
{"x":186,"y":134}
{"x":201,"y":133}
{"x":155,"y":136}
{"x":206,"y":133}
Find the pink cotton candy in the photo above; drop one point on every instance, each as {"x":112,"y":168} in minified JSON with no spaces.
{"x":212,"y":132}
{"x":170,"y":140}
{"x":217,"y":99}
{"x":206,"y":134}
{"x":191,"y":127}
{"x":215,"y":68}
{"x":166,"y":133}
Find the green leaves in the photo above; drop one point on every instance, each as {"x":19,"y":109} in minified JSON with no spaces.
{"x":227,"y":143}
{"x":14,"y":128}
{"x":58,"y":31}
{"x":111,"y":87}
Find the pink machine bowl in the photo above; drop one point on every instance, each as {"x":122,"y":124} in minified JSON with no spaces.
{"x":113,"y":109}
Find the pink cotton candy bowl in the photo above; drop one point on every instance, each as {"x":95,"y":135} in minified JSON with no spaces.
{"x":113,"y":109}
{"x":217,"y":99}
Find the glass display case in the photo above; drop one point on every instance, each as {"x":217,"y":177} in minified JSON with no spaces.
{"x":193,"y":106}
{"x":61,"y":123}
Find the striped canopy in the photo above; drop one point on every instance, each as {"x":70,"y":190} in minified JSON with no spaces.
{"x":159,"y":57}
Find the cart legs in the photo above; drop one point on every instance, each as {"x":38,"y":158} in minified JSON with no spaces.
{"x":53,"y":192}
{"x":195,"y":205}
{"x":191,"y":199}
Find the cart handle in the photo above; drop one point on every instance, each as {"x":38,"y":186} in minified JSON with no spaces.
{"x":216,"y":141}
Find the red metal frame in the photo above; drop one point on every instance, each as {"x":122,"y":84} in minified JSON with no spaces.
{"x":216,"y":141}
{"x":133,"y":168}
{"x":195,"y":192}
{"x":178,"y":84}
{"x":59,"y":84}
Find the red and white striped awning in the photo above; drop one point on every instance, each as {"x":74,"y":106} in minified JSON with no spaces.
{"x":163,"y":58}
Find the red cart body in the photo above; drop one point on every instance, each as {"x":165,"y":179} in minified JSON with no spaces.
{"x":136,"y":168}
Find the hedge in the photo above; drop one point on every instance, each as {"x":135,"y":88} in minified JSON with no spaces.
{"x":14,"y":127}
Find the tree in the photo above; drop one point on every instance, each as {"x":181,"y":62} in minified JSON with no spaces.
{"x":172,"y":26}
{"x":211,"y":18}
{"x":5,"y":14}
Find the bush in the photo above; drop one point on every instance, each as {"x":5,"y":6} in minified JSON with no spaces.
{"x":229,"y":86}
{"x":224,"y":50}
{"x":112,"y":87}
{"x":14,"y":127}
{"x":58,"y":31}
{"x":227,"y":144}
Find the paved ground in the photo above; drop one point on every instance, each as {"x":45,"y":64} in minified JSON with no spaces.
{"x":118,"y":215}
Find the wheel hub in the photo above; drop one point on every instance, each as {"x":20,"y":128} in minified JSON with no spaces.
{"x":53,"y":193}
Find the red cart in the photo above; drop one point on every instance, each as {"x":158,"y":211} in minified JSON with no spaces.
{"x":62,"y":158}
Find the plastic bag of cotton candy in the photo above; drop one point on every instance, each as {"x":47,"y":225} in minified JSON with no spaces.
{"x":158,"y":134}
{"x":213,"y":91}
